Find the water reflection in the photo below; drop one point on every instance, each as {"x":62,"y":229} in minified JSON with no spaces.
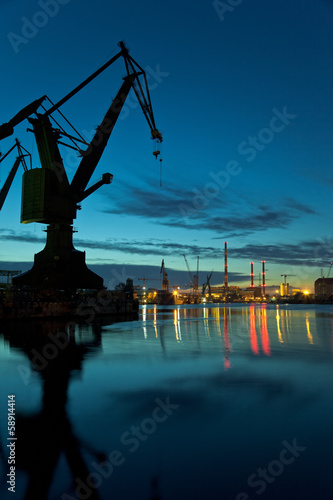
{"x":258,"y":327}
{"x":45,"y":436}
{"x":253,"y":331}
{"x":308,"y":329}
{"x":264,"y":331}
{"x":227,"y":346}
{"x":216,"y":362}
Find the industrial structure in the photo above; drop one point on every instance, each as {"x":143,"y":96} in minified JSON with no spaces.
{"x":252,"y":284}
{"x":263,"y":279}
{"x":206,"y":292}
{"x":165,"y":281}
{"x":225,"y":266}
{"x":47,"y":195}
{"x":284,"y":287}
{"x":323,"y":287}
{"x":194,"y":279}
{"x":9,"y":276}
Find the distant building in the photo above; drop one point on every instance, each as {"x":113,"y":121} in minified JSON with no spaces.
{"x":324,"y":286}
{"x":284,"y":290}
{"x":255,"y":290}
{"x":247,"y":294}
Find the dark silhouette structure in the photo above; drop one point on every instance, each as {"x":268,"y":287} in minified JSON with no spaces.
{"x":47,"y":195}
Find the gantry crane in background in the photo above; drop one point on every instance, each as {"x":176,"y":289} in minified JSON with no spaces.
{"x":47,"y":195}
{"x":195,"y":278}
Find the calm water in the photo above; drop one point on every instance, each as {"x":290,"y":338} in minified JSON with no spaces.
{"x":189,"y":402}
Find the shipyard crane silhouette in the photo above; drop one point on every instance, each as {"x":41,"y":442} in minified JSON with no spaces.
{"x":47,"y":195}
{"x":207,"y":285}
{"x":195,"y":278}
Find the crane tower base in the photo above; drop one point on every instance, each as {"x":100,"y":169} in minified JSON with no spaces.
{"x":59,"y":265}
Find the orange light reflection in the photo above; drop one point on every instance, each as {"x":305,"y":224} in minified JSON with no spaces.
{"x":253,"y":333}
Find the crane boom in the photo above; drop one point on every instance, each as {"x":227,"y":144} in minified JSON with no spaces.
{"x":95,"y":149}
{"x":7,"y":129}
{"x":188,"y":268}
{"x":6,"y":187}
{"x":20,"y":159}
{"x":83,"y":84}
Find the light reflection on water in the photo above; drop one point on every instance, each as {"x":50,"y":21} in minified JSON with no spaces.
{"x":258,"y":328}
{"x":243,"y":379}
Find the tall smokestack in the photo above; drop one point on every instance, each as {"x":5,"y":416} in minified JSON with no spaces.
{"x":225,"y":266}
{"x":263,"y":278}
{"x":252,"y":285}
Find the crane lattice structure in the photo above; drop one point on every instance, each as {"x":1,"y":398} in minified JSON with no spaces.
{"x":195,"y":278}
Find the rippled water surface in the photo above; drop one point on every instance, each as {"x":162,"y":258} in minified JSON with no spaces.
{"x":189,"y":402}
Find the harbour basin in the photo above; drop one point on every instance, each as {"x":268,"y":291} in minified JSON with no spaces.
{"x":194,"y":402}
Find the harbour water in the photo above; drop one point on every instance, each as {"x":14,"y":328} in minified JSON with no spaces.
{"x":188,"y":402}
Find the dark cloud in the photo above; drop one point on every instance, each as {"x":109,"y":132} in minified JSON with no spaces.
{"x":191,"y":209}
{"x":10,"y":235}
{"x":152,"y":246}
{"x":313,"y":253}
{"x":159,"y":204}
{"x":299,"y":207}
{"x":307,"y":253}
{"x":240,"y":225}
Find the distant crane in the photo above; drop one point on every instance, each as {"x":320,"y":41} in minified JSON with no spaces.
{"x":195,"y":278}
{"x":146,"y":279}
{"x":323,"y":278}
{"x":207,"y":285}
{"x":285,"y":282}
{"x":9,"y":275}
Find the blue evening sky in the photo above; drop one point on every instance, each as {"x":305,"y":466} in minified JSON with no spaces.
{"x":242,"y":92}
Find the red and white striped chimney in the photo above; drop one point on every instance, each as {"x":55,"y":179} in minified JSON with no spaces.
{"x":225,"y":266}
{"x":263,"y":278}
{"x":252,"y":285}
